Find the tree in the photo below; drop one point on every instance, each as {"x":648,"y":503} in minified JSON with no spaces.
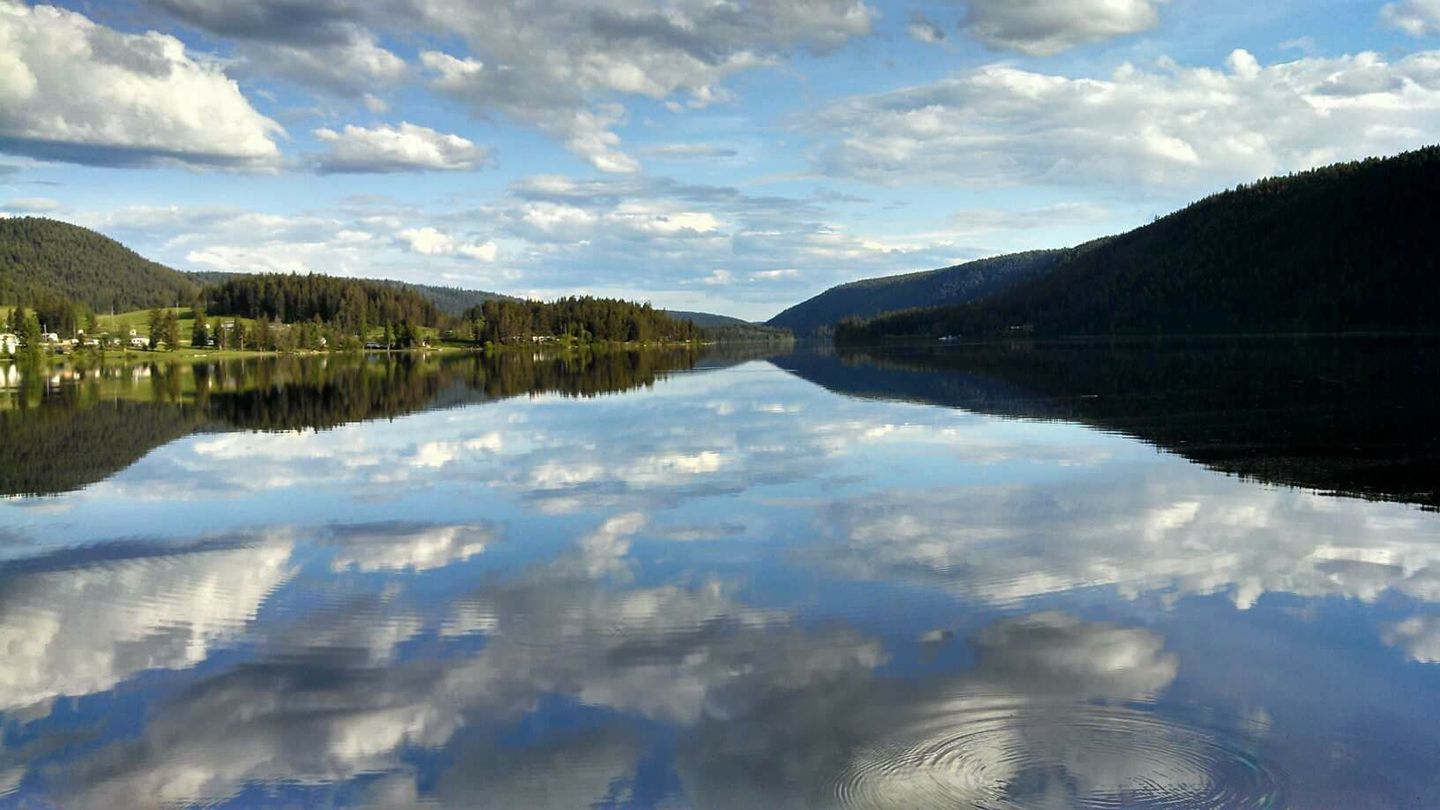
{"x":172,"y":330}
{"x":200,"y":332}
{"x":30,"y":332}
{"x":17,"y":320}
{"x":156,"y":328}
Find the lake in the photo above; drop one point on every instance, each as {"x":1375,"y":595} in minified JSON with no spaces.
{"x":1198,"y":574}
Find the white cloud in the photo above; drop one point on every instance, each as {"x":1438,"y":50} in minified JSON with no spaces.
{"x":404,"y":148}
{"x":688,"y":151}
{"x":1417,"y":18}
{"x":1171,"y":125}
{"x":923,"y":29}
{"x":775,"y":275}
{"x":347,"y":69}
{"x":1419,"y":636}
{"x":76,"y":91}
{"x":412,"y":547}
{"x":431,"y":242}
{"x":557,"y":67}
{"x":553,"y":630}
{"x":1045,"y":654}
{"x":78,"y":631}
{"x":31,"y":205}
{"x":1186,"y":535}
{"x":1044,"y":27}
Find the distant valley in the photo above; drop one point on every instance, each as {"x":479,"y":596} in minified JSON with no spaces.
{"x":1346,"y":248}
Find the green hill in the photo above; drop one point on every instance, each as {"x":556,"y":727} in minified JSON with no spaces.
{"x":871,"y":297}
{"x":449,"y":300}
{"x":1347,"y":248}
{"x":43,"y":257}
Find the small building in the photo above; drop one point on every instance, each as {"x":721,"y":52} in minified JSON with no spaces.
{"x":49,"y":337}
{"x":139,"y":342}
{"x":9,"y":343}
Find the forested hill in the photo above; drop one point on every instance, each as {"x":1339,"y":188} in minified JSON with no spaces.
{"x":42,"y":258}
{"x":450,"y":300}
{"x":1350,"y":247}
{"x":950,"y":285}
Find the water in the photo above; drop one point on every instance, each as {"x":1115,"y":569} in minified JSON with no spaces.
{"x":1136,"y":575}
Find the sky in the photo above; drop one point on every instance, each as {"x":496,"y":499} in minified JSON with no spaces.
{"x":732,"y":156}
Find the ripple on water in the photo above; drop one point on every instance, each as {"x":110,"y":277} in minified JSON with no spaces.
{"x":999,"y":753}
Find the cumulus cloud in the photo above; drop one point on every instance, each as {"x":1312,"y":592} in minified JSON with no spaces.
{"x":554,"y":66}
{"x":80,"y":630}
{"x":368,"y":240}
{"x":1191,"y":534}
{"x":1057,"y":654}
{"x":962,"y":740}
{"x":1171,"y":125}
{"x":325,"y":45}
{"x":404,"y":148}
{"x":76,"y":91}
{"x":1418,"y":18}
{"x":1418,"y":636}
{"x":351,"y":69}
{"x":1045,"y":27}
{"x":407,"y":546}
{"x":431,"y":242}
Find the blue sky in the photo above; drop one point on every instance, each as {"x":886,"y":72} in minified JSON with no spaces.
{"x":725,"y":156}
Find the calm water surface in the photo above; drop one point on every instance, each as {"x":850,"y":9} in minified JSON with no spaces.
{"x":1027,"y":576}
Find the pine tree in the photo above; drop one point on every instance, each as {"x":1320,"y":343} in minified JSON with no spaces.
{"x":200,"y":332}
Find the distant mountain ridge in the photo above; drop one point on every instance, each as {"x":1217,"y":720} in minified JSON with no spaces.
{"x":1347,"y":248}
{"x":871,"y":297}
{"x":46,"y":257}
{"x":706,"y":320}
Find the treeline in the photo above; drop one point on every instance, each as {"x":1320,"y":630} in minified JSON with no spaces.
{"x":1348,"y":248}
{"x":63,"y":275}
{"x":42,"y":258}
{"x":583,"y":318}
{"x":351,"y":305}
{"x":748,"y":333}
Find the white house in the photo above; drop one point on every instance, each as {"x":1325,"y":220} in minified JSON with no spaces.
{"x":8,"y":343}
{"x":139,"y":343}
